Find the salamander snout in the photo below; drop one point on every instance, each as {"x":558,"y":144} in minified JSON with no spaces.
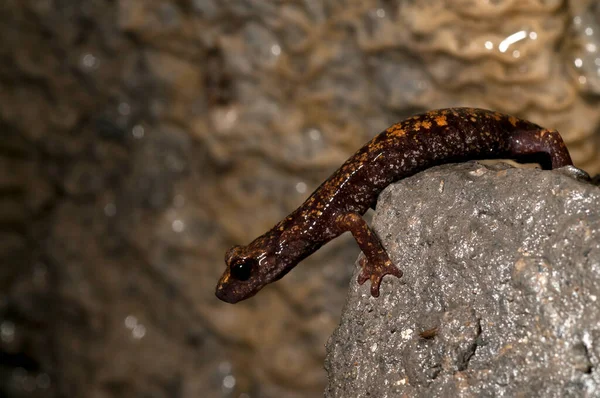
{"x":244,"y":275}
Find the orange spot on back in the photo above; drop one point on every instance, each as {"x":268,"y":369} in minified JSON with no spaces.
{"x":513,"y":120}
{"x":441,"y":120}
{"x":426,"y":124}
{"x":393,"y":128}
{"x":417,"y":126}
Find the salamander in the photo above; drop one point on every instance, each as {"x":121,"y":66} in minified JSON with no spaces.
{"x":337,"y":205}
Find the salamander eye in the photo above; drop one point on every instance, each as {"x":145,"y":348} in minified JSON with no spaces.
{"x":243,"y":269}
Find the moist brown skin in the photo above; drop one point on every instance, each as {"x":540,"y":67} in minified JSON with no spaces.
{"x":422,"y":141}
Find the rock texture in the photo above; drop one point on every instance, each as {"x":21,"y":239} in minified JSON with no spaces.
{"x":499,"y":295}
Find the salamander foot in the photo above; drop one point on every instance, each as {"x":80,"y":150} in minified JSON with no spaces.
{"x":375,"y":271}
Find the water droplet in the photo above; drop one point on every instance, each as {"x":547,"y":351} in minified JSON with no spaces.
{"x":138,"y":331}
{"x":589,"y":31}
{"x":489,"y":45}
{"x":110,"y":209}
{"x":7,"y":331}
{"x":124,"y":108}
{"x":301,"y":187}
{"x":380,"y":12}
{"x":578,"y":62}
{"x":229,"y":382}
{"x":582,"y":79}
{"x":130,"y":322}
{"x":314,"y":134}
{"x":276,"y":50}
{"x":138,"y":131}
{"x":590,"y":47}
{"x":178,"y":226}
{"x":516,"y":53}
{"x":533,"y":35}
{"x":89,"y":61}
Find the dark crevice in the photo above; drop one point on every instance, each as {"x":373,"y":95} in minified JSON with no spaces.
{"x":468,"y":354}
{"x":589,"y":367}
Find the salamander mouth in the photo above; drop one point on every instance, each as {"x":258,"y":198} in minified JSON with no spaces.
{"x":230,"y":296}
{"x":226,"y":296}
{"x":234,"y":292}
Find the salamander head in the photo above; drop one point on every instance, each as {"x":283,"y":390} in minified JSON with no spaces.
{"x":249,"y":269}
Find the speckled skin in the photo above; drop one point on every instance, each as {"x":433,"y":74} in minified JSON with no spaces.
{"x":422,"y":141}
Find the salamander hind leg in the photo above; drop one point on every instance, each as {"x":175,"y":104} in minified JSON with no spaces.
{"x":376,"y":263}
{"x":547,"y":143}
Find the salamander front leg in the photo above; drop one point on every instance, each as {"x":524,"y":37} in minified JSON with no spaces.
{"x":376,"y":263}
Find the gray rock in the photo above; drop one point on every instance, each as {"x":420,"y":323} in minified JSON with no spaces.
{"x":499,"y":295}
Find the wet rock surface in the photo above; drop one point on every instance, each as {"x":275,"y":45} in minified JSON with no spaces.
{"x":499,"y":295}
